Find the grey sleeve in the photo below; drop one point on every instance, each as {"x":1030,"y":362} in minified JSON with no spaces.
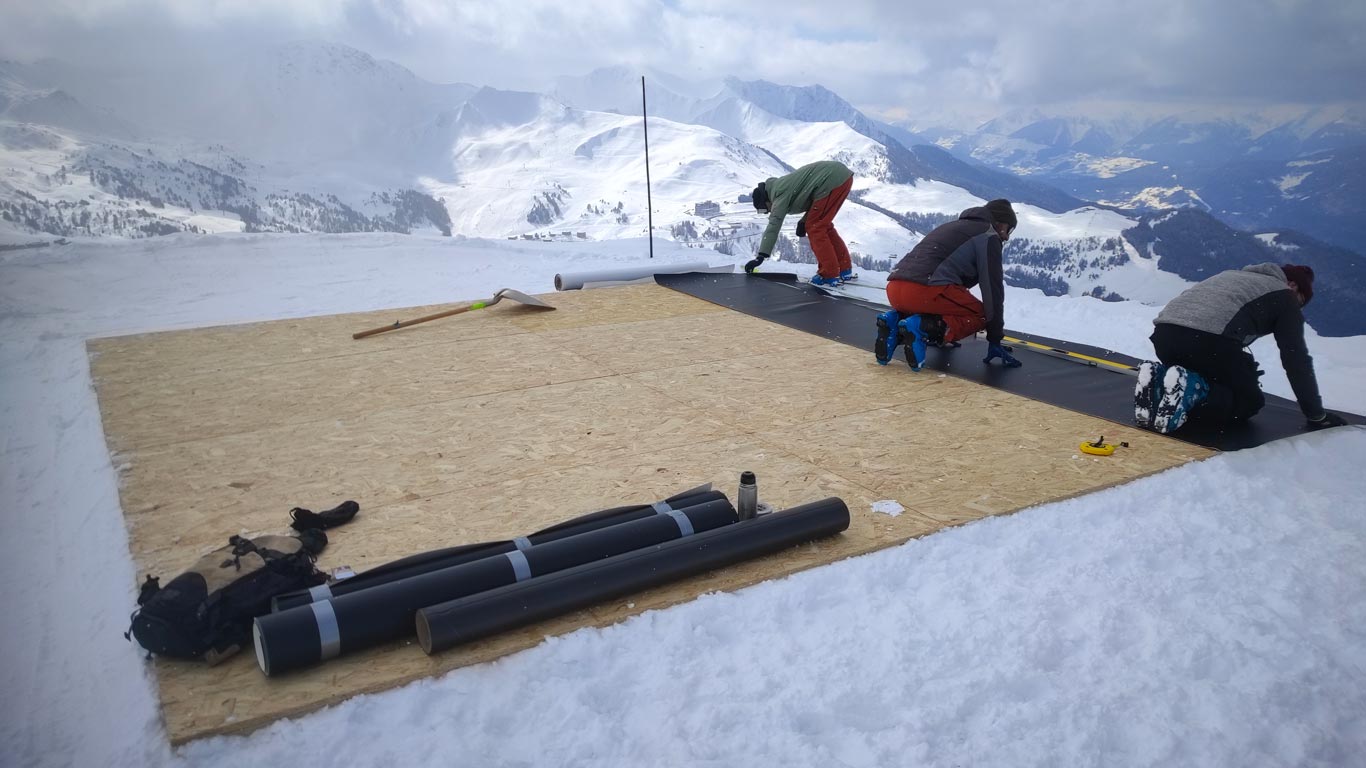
{"x":992,"y":284}
{"x":1295,"y":359}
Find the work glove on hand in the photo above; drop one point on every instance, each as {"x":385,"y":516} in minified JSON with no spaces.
{"x":801,"y":227}
{"x":995,"y":350}
{"x":754,"y":263}
{"x":1329,"y":419}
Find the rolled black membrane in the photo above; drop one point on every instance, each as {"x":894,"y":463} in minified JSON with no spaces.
{"x":466,"y":619}
{"x":435,"y":560}
{"x":305,"y":635}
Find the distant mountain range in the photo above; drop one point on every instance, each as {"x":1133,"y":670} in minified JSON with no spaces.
{"x":315,"y":137}
{"x":1295,"y":168}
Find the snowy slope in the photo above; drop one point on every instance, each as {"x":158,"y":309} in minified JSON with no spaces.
{"x":1209,"y":615}
{"x":540,"y":166}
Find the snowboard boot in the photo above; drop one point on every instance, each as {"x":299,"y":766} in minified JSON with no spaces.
{"x":888,"y":336}
{"x":1182,"y":391}
{"x":914,"y":338}
{"x":848,"y":276}
{"x":825,"y":281}
{"x":1147,"y":392}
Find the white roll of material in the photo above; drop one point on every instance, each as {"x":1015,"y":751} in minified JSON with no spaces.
{"x":644,"y":273}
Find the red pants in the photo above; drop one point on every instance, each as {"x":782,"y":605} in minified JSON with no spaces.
{"x":962,"y":312}
{"x":832,"y":255}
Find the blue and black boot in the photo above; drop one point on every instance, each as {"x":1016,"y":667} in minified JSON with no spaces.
{"x":1182,"y":391}
{"x":913,"y":335}
{"x":1148,"y":392}
{"x":888,"y":336}
{"x":935,"y":329}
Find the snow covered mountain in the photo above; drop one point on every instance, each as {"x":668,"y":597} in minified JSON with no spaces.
{"x":23,"y":99}
{"x":323,"y":138}
{"x":313,"y":137}
{"x":1297,"y":168}
{"x":281,"y":157}
{"x":729,"y":107}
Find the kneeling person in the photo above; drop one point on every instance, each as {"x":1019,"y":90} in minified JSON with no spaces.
{"x":928,"y":289}
{"x":1204,"y":369}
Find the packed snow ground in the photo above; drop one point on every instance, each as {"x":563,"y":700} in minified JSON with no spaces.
{"x":1214,"y":614}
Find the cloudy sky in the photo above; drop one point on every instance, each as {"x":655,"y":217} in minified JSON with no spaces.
{"x":892,"y":58}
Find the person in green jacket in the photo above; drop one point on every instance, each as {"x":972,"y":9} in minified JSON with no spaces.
{"x":817,"y":190}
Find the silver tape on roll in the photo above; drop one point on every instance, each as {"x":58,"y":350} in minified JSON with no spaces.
{"x":520,"y":567}
{"x":684,"y":524}
{"x":329,"y":634}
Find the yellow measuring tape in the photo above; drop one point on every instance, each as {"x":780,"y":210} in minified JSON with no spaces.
{"x":1100,"y":447}
{"x":1069,"y":353}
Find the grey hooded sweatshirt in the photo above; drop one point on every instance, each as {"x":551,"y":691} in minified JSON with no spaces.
{"x":1245,"y":305}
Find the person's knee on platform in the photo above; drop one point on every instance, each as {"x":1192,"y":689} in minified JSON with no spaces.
{"x":1247,"y":407}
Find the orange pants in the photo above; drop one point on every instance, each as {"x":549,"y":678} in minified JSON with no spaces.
{"x":832,"y":255}
{"x":962,"y":312}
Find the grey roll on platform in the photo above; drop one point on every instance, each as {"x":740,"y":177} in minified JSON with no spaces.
{"x":573,"y":281}
{"x":463,"y":620}
{"x":308,"y":634}
{"x":444,"y":558}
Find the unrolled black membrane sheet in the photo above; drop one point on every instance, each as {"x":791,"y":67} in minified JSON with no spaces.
{"x":1100,"y":391}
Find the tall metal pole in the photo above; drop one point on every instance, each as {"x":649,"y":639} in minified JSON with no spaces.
{"x":649,"y":201}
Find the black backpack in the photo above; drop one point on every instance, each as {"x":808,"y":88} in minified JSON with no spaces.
{"x":207,"y":611}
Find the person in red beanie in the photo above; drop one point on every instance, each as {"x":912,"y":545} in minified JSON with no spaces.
{"x":1205,"y":371}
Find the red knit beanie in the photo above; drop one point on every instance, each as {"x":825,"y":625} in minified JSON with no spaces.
{"x":1302,"y":277}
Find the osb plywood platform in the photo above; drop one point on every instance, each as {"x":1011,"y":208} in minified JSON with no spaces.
{"x":497,"y":423}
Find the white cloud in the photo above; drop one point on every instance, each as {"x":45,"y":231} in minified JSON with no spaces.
{"x":885,"y":56}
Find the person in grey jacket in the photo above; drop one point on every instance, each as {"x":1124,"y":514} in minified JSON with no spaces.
{"x":1200,"y":338}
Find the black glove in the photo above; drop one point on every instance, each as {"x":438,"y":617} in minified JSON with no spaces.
{"x":1328,"y":419}
{"x":801,"y":227}
{"x":995,"y":349}
{"x":754,"y":263}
